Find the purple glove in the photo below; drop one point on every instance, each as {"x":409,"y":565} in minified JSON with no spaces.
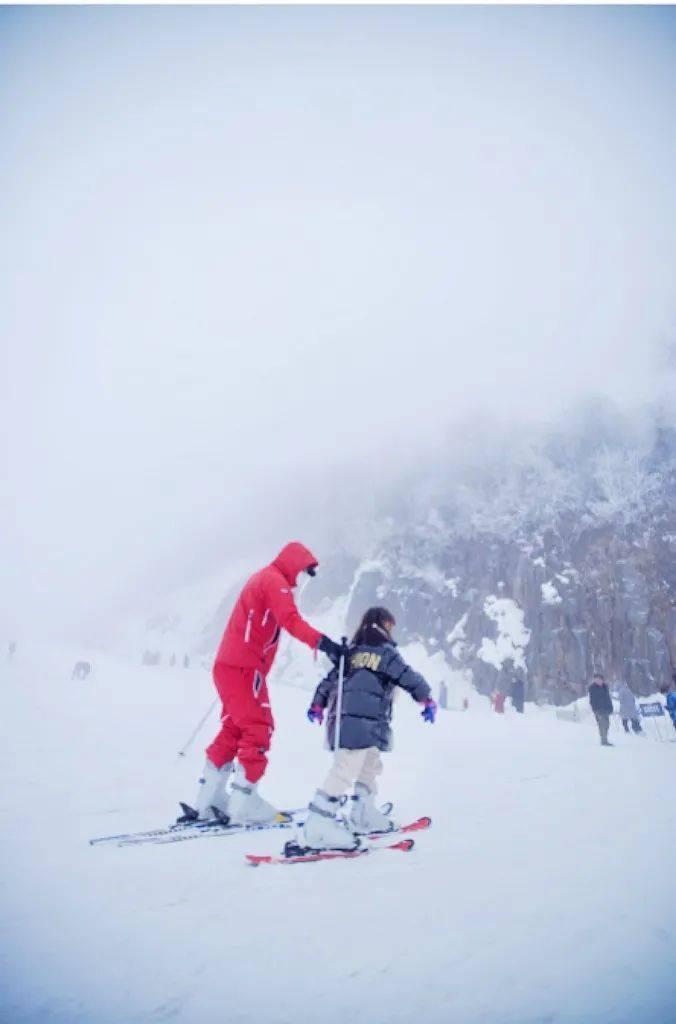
{"x":429,"y":712}
{"x":315,"y":714}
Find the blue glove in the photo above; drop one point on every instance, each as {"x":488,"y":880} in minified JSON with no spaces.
{"x":315,"y":714}
{"x":429,"y":712}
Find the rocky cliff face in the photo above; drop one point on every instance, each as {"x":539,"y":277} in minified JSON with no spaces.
{"x":553,"y":567}
{"x":549,"y":560}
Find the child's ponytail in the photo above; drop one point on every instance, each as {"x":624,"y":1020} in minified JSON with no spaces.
{"x":375,"y":628}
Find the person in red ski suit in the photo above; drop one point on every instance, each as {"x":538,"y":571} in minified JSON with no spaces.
{"x":246,"y":653}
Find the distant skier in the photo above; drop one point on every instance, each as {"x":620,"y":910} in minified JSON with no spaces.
{"x":602,"y":706}
{"x":11,"y":650}
{"x":245,"y":656}
{"x":671,"y":701}
{"x":628,"y":709}
{"x":373,"y":670}
{"x":81,"y":670}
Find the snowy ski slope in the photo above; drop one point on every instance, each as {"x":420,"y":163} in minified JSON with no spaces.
{"x":544,"y":892}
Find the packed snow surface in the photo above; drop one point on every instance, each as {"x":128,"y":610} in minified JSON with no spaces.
{"x":544,"y":892}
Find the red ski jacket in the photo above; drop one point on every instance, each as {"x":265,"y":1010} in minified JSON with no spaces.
{"x":264,"y":607}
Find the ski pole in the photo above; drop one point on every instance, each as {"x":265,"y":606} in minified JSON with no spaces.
{"x":339,"y":702}
{"x":197,"y":728}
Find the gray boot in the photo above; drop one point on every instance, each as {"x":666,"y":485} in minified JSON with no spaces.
{"x":246,"y":807}
{"x":365,"y":816}
{"x":322,"y":830}
{"x":212,"y":791}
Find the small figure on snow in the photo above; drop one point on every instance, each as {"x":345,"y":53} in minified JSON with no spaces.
{"x":517,"y":690}
{"x":373,"y":670}
{"x":81,"y":670}
{"x":499,"y":702}
{"x":671,"y":701}
{"x":11,"y":650}
{"x":264,"y":607}
{"x":629,"y":709}
{"x":602,"y":706}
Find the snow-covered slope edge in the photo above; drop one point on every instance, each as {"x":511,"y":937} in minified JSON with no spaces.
{"x":543,"y":891}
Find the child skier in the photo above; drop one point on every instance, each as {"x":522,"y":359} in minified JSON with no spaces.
{"x":373,"y":668}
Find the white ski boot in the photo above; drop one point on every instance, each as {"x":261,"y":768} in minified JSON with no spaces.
{"x":365,"y":816}
{"x":322,"y":830}
{"x":246,"y":807}
{"x":212,"y":791}
{"x":212,"y":797}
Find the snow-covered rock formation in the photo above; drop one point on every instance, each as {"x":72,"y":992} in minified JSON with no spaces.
{"x":553,"y":558}
{"x":555,"y":562}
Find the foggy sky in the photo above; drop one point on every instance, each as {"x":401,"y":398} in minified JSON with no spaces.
{"x":253,"y":257}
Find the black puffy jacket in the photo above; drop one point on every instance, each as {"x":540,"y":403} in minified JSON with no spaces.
{"x":371,"y":674}
{"x":600,"y":699}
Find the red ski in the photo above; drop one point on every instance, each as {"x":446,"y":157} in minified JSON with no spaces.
{"x":305,"y":858}
{"x":413,"y":826}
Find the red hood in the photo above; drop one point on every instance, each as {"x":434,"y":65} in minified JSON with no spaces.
{"x":294,"y":559}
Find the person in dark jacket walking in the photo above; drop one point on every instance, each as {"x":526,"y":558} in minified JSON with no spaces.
{"x":518,"y":689}
{"x":373,"y":670}
{"x":512,"y":684}
{"x":602,"y":706}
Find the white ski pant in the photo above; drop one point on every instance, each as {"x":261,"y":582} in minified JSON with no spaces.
{"x":351,"y":766}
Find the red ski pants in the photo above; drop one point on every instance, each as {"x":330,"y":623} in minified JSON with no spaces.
{"x":246,"y":720}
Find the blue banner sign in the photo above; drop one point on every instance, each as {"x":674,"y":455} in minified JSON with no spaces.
{"x":652,"y":710}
